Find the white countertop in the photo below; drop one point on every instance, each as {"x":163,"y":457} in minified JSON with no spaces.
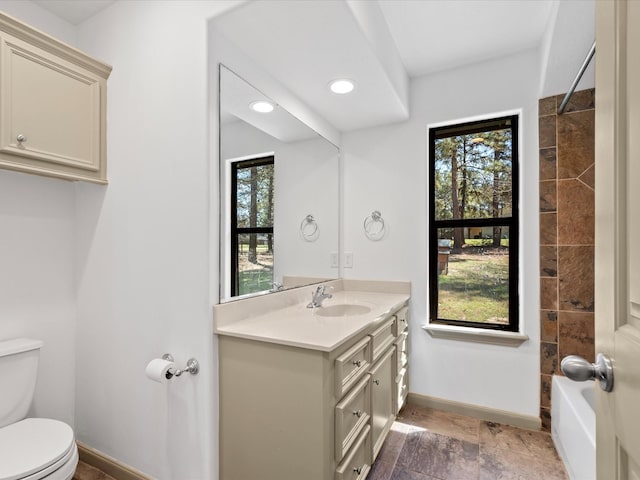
{"x":299,"y":326}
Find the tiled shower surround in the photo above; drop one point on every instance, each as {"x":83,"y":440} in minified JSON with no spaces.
{"x":566,"y":235}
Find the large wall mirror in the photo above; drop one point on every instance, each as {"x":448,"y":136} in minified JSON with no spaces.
{"x":279,"y":192}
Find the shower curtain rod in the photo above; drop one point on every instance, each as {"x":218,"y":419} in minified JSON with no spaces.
{"x":584,"y":66}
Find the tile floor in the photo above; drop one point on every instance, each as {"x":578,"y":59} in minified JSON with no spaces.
{"x":426,"y":444}
{"x":87,"y":472}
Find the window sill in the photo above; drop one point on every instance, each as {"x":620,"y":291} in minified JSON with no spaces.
{"x":476,"y":335}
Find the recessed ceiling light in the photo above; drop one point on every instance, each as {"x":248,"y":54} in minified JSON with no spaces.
{"x":262,"y":106}
{"x":342,"y":86}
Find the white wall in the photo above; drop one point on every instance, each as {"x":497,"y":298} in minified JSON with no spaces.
{"x":144,"y":285}
{"x":386,"y":169}
{"x":567,"y":41}
{"x":37,"y":297}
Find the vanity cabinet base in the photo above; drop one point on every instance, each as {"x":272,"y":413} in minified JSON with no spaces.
{"x":276,"y":417}
{"x":289,"y":412}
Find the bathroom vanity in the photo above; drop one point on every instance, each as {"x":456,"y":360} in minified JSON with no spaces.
{"x":311,"y":392}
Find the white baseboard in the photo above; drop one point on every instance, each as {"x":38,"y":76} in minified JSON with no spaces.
{"x":108,"y":465}
{"x":476,"y":411}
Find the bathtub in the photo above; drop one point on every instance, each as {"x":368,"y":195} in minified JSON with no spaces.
{"x":573,"y":426}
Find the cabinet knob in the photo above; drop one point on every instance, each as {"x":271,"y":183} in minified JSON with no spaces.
{"x":357,"y":363}
{"x":358,"y":413}
{"x":358,"y":470}
{"x":21,"y":138}
{"x":377,"y":382}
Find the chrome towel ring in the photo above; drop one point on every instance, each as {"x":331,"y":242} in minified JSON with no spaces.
{"x":374,"y":227}
{"x":309,"y":229}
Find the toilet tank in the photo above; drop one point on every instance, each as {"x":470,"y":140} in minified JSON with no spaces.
{"x":18,"y":373}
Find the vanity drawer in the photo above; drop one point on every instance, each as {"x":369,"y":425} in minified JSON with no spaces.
{"x":402,"y":350}
{"x":351,"y":365}
{"x":402,"y":320}
{"x":357,"y":463}
{"x":402,"y":386}
{"x":383,"y":337}
{"x":352,"y":414}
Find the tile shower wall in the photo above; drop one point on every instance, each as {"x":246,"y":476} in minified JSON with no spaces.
{"x":566,"y":235}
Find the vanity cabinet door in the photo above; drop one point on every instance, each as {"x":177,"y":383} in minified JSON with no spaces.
{"x":357,"y":463}
{"x":382,"y":337}
{"x":52,"y":112}
{"x":402,"y":320}
{"x":402,"y":389}
{"x":352,"y":414}
{"x":402,"y":351}
{"x":383,"y":390}
{"x":351,"y":365}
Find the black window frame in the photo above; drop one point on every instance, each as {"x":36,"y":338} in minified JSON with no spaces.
{"x":435,"y":133}
{"x":235,"y":230}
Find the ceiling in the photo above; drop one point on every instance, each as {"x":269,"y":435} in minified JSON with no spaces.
{"x":74,"y":11}
{"x":441,"y":34}
{"x":380,"y":44}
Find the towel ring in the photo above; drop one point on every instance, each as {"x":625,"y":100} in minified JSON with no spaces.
{"x":309,"y":228}
{"x":374,"y":227}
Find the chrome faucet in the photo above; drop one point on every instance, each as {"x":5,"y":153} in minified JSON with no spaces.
{"x":318,"y":297}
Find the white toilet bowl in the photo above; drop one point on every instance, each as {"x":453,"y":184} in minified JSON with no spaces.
{"x":30,"y":448}
{"x":37,"y":449}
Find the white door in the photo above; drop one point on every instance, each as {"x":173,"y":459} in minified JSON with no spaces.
{"x":617,"y":296}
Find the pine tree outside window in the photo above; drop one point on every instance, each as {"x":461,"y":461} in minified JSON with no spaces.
{"x":473,"y":224}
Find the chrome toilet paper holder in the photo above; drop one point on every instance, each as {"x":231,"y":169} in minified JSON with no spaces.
{"x":193,"y":367}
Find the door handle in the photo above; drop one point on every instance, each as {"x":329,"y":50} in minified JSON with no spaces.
{"x":578,"y":369}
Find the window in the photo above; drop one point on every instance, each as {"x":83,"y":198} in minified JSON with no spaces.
{"x":252,"y":225}
{"x":473,"y":224}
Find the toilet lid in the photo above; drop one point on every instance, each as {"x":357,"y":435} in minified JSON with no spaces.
{"x":32,"y":445}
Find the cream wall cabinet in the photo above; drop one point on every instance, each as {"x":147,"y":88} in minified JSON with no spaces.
{"x":52,"y":106}
{"x":289,"y":412}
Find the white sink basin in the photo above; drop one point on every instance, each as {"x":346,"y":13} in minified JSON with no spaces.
{"x":342,"y":310}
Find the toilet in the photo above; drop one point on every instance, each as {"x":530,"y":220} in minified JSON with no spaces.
{"x":30,"y":448}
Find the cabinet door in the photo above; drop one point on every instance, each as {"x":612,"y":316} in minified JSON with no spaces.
{"x":402,"y":389}
{"x":357,"y":463}
{"x":51,"y":113}
{"x":382,"y":337}
{"x":352,"y":414}
{"x":402,"y":317}
{"x":383,"y":388}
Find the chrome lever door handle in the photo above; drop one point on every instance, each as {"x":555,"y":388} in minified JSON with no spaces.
{"x":578,"y":369}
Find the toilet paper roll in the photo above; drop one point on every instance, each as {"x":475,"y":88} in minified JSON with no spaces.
{"x":158,"y":370}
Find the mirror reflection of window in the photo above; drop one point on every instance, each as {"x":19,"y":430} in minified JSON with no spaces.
{"x":265,"y":251}
{"x":252,"y":198}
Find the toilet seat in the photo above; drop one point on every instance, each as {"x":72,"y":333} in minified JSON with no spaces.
{"x":33,"y":448}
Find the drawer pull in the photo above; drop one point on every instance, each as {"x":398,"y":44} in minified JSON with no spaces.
{"x":358,"y":413}
{"x":377,"y":382}
{"x":357,"y":363}
{"x":21,"y":138}
{"x":358,"y":470}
